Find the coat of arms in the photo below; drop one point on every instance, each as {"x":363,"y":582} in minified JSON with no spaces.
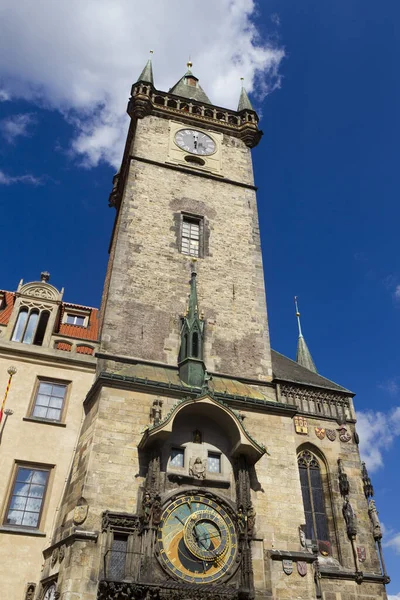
{"x":320,"y":432}
{"x":330,"y":434}
{"x":300,"y":425}
{"x":287,"y":566}
{"x":344,"y":435}
{"x":361,"y":553}
{"x":302,"y":568}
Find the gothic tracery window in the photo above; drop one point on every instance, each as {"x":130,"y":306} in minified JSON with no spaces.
{"x":313,"y":496}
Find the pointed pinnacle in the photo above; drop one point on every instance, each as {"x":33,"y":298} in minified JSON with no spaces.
{"x":147,"y":73}
{"x":244,"y":100}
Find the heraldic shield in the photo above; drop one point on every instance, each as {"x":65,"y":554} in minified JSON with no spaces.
{"x":287,"y":566}
{"x":320,"y":432}
{"x":302,"y":568}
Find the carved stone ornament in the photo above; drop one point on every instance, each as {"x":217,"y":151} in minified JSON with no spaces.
{"x":302,"y":568}
{"x":111,"y":590}
{"x":197,"y":437}
{"x":344,"y":435}
{"x":330,"y":434}
{"x":61,"y":553}
{"x":54,"y":557}
{"x":320,"y":432}
{"x":361,"y":553}
{"x":197,"y":468}
{"x":344,"y":486}
{"x":81,"y":511}
{"x":373,"y":515}
{"x":287,"y":566}
{"x":300,"y":425}
{"x":350,"y":518}
{"x":30,"y":591}
{"x":112,"y":521}
{"x":302,"y":535}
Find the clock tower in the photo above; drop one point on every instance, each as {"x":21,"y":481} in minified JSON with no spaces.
{"x":196,"y":475}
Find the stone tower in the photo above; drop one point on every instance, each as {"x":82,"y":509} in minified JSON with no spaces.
{"x":208,"y":466}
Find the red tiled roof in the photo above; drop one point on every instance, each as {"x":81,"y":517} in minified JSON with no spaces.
{"x":91,"y":332}
{"x":5,"y":312}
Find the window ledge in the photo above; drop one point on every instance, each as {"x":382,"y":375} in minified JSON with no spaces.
{"x":44,"y":421}
{"x":22,"y":531}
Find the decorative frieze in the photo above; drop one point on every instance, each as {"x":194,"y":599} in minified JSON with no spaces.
{"x":317,"y":401}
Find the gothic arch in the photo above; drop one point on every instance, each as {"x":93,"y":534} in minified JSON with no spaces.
{"x":241,"y":443}
{"x":326,"y":479}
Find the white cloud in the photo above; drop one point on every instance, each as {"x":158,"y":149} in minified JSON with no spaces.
{"x":16,"y":126}
{"x":393,"y":542}
{"x":4,"y":96}
{"x":82,"y":57}
{"x":377,"y":431}
{"x":396,"y":597}
{"x":396,"y":293}
{"x":29,"y":179}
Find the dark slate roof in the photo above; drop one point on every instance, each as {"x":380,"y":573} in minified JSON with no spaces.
{"x":244,"y":101}
{"x":147,"y":73}
{"x":181,"y":88}
{"x":303,"y":356}
{"x":285,"y":369}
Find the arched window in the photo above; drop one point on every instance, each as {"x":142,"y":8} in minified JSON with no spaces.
{"x":20,"y":325}
{"x":195,"y":344}
{"x":313,"y":497}
{"x":30,"y":327}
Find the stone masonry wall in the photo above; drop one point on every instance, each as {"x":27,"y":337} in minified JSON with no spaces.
{"x":150,"y":277}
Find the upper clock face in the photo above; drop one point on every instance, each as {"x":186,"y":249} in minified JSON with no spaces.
{"x":195,"y":142}
{"x":197,"y":539}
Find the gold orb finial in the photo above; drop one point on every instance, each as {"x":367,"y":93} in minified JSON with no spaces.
{"x":151,"y":51}
{"x":189,"y":64}
{"x":242,"y":79}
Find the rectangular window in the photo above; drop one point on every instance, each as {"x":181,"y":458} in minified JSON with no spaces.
{"x":177,"y":457}
{"x":214,"y":462}
{"x":119,"y":549}
{"x":49,"y":400}
{"x":27,"y":497}
{"x":75,"y":320}
{"x":190,"y":236}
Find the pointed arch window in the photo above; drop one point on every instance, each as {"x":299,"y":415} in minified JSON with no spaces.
{"x":313,"y":497}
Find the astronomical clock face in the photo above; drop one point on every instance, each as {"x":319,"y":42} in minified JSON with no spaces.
{"x":195,"y":142}
{"x":197,"y":539}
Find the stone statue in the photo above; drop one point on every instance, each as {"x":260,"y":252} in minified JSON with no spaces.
{"x":30,"y":591}
{"x":197,"y":469}
{"x":350,"y":518}
{"x":241,"y":519}
{"x":146,"y":505}
{"x":373,"y":515}
{"x":302,"y":535}
{"x":251,"y":521}
{"x":156,"y":511}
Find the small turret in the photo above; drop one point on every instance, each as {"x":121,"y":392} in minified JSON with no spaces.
{"x":147,"y":73}
{"x":191,"y":366}
{"x":244,"y":100}
{"x":303,"y":356}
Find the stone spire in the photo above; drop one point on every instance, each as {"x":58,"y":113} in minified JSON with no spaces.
{"x":190,"y":362}
{"x":303,"y":356}
{"x":147,"y":73}
{"x":244,"y":100}
{"x":188,"y":87}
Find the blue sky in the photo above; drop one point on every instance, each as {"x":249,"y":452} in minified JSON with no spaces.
{"x":324,"y":77}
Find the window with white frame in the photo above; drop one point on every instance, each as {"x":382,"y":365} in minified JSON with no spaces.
{"x":190,"y":242}
{"x":49,"y":400}
{"x":27,"y":497}
{"x":75,"y":320}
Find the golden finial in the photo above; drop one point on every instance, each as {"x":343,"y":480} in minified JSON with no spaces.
{"x":151,"y":51}
{"x":242,"y":79}
{"x":189,"y":64}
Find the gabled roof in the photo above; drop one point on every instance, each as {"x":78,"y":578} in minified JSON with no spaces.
{"x":285,"y":369}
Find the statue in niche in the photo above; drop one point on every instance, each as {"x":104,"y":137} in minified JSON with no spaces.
{"x":156,"y":511}
{"x":146,"y":506}
{"x":350,"y":518}
{"x":302,"y":535}
{"x":376,"y":524}
{"x":197,"y":437}
{"x":251,"y":521}
{"x":30,"y":591}
{"x":197,"y":468}
{"x":241,"y":519}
